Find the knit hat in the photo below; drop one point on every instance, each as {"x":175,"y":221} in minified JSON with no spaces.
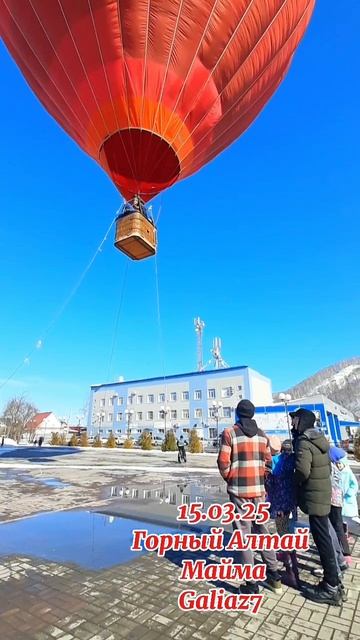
{"x":335,"y":454}
{"x":245,"y":409}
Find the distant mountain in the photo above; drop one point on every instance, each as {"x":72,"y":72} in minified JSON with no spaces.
{"x":340,"y":383}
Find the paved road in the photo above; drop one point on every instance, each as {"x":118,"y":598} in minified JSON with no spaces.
{"x":43,"y":600}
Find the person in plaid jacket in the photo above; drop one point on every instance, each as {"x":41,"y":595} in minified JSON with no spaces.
{"x":243,"y":460}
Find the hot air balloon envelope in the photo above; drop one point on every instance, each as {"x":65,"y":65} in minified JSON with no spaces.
{"x":153,"y":89}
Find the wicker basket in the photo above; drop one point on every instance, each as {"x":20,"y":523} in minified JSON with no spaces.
{"x":136,"y":236}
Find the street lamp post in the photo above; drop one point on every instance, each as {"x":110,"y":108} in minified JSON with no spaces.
{"x":100,"y":417}
{"x":217,"y":406}
{"x":79,"y":419}
{"x":165,"y":411}
{"x":129,"y":414}
{"x":285,"y":399}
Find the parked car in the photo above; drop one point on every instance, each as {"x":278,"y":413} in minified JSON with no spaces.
{"x":156,"y":439}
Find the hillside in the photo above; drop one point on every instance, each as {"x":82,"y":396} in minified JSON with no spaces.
{"x":339,"y":382}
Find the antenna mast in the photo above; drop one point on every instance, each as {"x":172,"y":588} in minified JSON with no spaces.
{"x":199,"y":329}
{"x":219,"y":362}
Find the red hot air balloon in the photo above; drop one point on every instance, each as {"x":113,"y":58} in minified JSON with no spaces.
{"x":153,"y":89}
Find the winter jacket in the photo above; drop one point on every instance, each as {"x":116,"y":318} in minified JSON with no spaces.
{"x":243,"y":456}
{"x":337,"y":496}
{"x":312,"y":473}
{"x":279,"y":485}
{"x":350,"y":488}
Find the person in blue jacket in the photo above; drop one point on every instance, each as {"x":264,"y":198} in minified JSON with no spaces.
{"x":281,"y":496}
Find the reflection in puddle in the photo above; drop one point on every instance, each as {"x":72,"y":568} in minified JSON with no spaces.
{"x":91,"y":540}
{"x":170,"y":493}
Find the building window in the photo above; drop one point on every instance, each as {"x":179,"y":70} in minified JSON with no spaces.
{"x":140,"y":399}
{"x":212,"y":433}
{"x":227,"y":392}
{"x":139,"y":415}
{"x":173,"y":396}
{"x":102,"y":402}
{"x":185,"y":499}
{"x":185,"y":395}
{"x":198,"y":413}
{"x":120,"y":400}
{"x":150,"y":398}
{"x":174,"y":415}
{"x":150,"y":415}
{"x":197,"y":395}
{"x":130,"y":399}
{"x":240,"y":387}
{"x":110,"y":417}
{"x":185,"y":414}
{"x":161,"y":397}
{"x":119,"y":417}
{"x":211,"y":394}
{"x":211,"y":412}
{"x":227,"y":412}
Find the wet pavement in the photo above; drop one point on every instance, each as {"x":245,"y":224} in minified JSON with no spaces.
{"x":94,"y":588}
{"x":91,"y":540}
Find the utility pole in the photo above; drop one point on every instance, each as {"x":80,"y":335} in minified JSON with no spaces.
{"x":199,"y":329}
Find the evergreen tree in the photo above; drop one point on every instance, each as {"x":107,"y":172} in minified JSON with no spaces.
{"x":74,"y":440}
{"x":97,"y":442}
{"x":111,"y":441}
{"x":169,"y":443}
{"x":55,"y":439}
{"x":84,"y":440}
{"x":146,"y":441}
{"x":195,"y":444}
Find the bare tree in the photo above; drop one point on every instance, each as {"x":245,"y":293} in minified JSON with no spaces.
{"x":84,"y":411}
{"x":16,"y":415}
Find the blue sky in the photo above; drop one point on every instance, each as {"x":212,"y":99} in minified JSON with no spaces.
{"x":263,"y":243}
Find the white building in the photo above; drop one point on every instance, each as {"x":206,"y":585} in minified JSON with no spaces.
{"x":43,"y":425}
{"x":179,"y":401}
{"x":333,"y":419}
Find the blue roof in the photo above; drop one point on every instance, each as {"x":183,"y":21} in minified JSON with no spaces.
{"x":176,"y":376}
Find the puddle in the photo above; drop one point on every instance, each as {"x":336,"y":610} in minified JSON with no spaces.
{"x":52,"y":482}
{"x":91,"y":540}
{"x":171,"y":493}
{"x":49,"y":482}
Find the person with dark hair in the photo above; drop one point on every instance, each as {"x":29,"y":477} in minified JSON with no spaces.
{"x":312,"y":481}
{"x":242,"y":460}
